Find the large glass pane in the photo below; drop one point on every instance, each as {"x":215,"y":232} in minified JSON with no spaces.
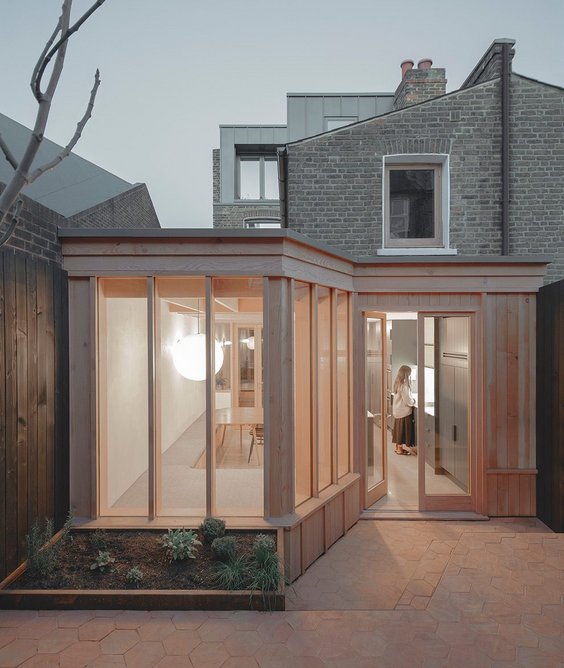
{"x":447,"y":378}
{"x":238,"y":420}
{"x":412,"y":203}
{"x":123,"y":395}
{"x":271,"y":179}
{"x":343,"y":441}
{"x":302,"y":390}
{"x":375,"y":418}
{"x":324,"y":412}
{"x":249,"y":178}
{"x":180,"y":312}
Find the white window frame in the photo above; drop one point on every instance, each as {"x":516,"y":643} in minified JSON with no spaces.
{"x":261,"y":158}
{"x":439,"y":245}
{"x":344,"y":120}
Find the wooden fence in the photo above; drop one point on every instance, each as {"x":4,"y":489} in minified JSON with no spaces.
{"x":550,"y":405}
{"x":33,"y":400}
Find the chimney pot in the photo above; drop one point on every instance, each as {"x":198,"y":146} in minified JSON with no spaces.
{"x":406,"y":66}
{"x":425,"y":64}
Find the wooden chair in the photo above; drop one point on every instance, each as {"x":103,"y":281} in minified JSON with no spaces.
{"x":257,"y":436}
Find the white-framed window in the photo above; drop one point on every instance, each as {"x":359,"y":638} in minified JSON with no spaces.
{"x":415,"y":204}
{"x":257,"y":177}
{"x":264,"y":222}
{"x":334,"y":122}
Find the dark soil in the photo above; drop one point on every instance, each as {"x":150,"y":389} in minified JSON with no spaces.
{"x":141,"y":548}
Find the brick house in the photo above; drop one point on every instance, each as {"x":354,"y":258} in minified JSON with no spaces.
{"x":259,"y":363}
{"x":332,"y":180}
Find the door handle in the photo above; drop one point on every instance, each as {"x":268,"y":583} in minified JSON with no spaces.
{"x":454,"y":432}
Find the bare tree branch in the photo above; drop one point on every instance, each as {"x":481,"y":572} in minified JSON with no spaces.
{"x":21,"y":176}
{"x":66,"y":32}
{"x":79,"y":128}
{"x":15,"y":219}
{"x":7,"y":153}
{"x":42,"y":56}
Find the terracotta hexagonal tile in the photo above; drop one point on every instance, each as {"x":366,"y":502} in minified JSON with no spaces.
{"x":119,"y":641}
{"x":96,"y":629}
{"x":144,"y":654}
{"x":181,"y":642}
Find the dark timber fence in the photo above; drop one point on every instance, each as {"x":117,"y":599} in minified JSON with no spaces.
{"x":550,"y":405}
{"x":33,"y":400}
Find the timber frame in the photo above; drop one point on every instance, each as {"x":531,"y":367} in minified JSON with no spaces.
{"x":499,"y":292}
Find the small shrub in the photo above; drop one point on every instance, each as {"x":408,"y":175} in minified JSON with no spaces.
{"x":103,"y":561}
{"x":266,"y":576}
{"x":263,"y":548}
{"x":233,"y":574}
{"x":41,"y":557}
{"x":212,"y":528}
{"x":99,"y":539}
{"x":224,"y":548}
{"x":134,"y":576}
{"x":180,"y":544}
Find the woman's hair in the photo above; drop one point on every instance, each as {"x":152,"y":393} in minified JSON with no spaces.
{"x":403,"y":377}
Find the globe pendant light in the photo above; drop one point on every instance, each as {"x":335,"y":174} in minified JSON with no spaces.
{"x":189,"y":356}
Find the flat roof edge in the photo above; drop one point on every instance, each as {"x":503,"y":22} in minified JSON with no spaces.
{"x":96,"y":234}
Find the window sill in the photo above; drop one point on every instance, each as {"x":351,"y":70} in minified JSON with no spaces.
{"x":416,"y":251}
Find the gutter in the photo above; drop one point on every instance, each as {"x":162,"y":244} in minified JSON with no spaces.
{"x":505,"y":78}
{"x":282,"y":157}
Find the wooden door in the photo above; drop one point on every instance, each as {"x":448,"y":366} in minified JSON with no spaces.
{"x":444,"y":411}
{"x":375,"y":406}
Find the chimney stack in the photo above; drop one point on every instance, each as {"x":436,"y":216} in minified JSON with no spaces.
{"x":425,"y":64}
{"x":419,"y":85}
{"x":406,"y":66}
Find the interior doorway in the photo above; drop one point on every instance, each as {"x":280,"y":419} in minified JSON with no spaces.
{"x":436,"y":472}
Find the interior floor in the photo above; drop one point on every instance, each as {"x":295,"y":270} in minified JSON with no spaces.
{"x":239,"y":482}
{"x":403,"y":486}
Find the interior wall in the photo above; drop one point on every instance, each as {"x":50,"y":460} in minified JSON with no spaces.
{"x":182,"y":401}
{"x":127,"y":392}
{"x":404,"y":344}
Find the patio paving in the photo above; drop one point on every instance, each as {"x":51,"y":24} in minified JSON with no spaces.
{"x":390,"y":593}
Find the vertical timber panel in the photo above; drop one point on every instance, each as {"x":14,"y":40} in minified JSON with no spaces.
{"x":279,"y":403}
{"x":2,"y":426}
{"x":21,"y":498}
{"x":61,"y":380}
{"x":81,"y":444}
{"x":33,"y":472}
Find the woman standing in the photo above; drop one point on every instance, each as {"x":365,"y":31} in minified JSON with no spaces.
{"x":403,"y":436}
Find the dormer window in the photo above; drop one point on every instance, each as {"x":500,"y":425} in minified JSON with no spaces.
{"x":257,"y":177}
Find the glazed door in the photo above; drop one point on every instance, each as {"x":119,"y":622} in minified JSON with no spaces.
{"x":375,"y":406}
{"x":444,"y":416}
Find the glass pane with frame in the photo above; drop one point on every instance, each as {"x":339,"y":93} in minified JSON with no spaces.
{"x":446,"y":408}
{"x":249,"y":178}
{"x":412,"y":203}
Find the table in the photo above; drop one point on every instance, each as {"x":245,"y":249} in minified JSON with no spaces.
{"x":235,"y":416}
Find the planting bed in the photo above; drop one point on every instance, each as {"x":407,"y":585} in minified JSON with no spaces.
{"x":186,"y":584}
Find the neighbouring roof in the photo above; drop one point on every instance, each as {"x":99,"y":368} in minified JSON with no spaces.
{"x":74,"y":186}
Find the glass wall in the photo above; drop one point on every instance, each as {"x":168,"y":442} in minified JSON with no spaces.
{"x":343,"y":385}
{"x":180,"y":313}
{"x":238,"y":418}
{"x":322,"y":385}
{"x":302,"y":390}
{"x":324,"y":403}
{"x":375,"y":416}
{"x":123,"y":395}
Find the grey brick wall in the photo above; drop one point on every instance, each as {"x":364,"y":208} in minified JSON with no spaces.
{"x":233,"y":215}
{"x":335,"y":182}
{"x":132,"y":209}
{"x":36,"y":232}
{"x":536,"y":211}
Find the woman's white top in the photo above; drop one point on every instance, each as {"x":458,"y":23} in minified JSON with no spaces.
{"x":403,"y":402}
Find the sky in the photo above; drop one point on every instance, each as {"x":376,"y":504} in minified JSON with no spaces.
{"x":174,"y":70}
